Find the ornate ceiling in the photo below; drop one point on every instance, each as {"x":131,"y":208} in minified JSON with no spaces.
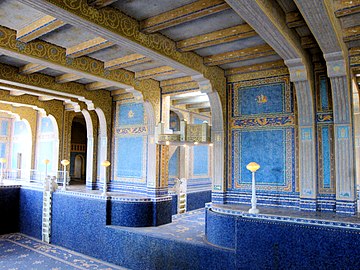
{"x":133,"y":44}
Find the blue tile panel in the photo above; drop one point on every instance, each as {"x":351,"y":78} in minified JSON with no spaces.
{"x":174,"y":164}
{"x":326,"y":156}
{"x":324,"y":97}
{"x":20,"y":128}
{"x":131,"y":114}
{"x":46,"y":125}
{"x":31,"y":212}
{"x":3,"y":146}
{"x":263,"y":99}
{"x":130,"y":157}
{"x":271,"y":244}
{"x":9,"y":209}
{"x":4,"y":128}
{"x":201,"y":160}
{"x":194,"y":200}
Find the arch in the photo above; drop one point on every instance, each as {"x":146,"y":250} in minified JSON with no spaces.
{"x":21,"y":146}
{"x":79,"y":167}
{"x":55,"y":163}
{"x":151,"y":146}
{"x":217,"y":135}
{"x":102,"y":144}
{"x":90,"y":149}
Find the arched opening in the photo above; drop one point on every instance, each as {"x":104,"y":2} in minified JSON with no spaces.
{"x":78,"y":150}
{"x":102,"y":145}
{"x":20,"y":155}
{"x":47,"y":146}
{"x":79,"y":167}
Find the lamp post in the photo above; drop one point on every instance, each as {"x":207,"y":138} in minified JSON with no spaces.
{"x":253,"y":167}
{"x":46,"y":162}
{"x":64,"y":162}
{"x":2,"y":161}
{"x":106,"y":164}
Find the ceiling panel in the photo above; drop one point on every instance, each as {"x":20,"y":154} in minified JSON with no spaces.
{"x":217,"y":21}
{"x":68,"y":36}
{"x":251,"y":62}
{"x":231,"y":46}
{"x":111,"y":53}
{"x":143,"y":9}
{"x":24,"y":15}
{"x":144,"y":66}
{"x":12,"y":61}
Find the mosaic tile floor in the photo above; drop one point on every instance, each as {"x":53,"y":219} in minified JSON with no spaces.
{"x":20,"y":252}
{"x":188,"y":227}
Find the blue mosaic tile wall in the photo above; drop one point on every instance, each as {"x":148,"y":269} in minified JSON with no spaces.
{"x":267,"y":244}
{"x":78,"y":227}
{"x":325,"y":138}
{"x":130,"y":146}
{"x":262,"y":129}
{"x":31,"y":212}
{"x":9,"y":210}
{"x":194,"y":200}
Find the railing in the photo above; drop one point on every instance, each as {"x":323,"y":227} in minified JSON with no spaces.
{"x":34,"y":176}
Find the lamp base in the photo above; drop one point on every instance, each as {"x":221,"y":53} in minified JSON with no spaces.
{"x":254,"y":211}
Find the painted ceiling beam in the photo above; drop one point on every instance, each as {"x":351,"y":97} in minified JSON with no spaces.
{"x":88,"y":47}
{"x":269,"y":22}
{"x":322,"y":26}
{"x":127,"y":35}
{"x":16,"y":93}
{"x":308,"y":42}
{"x":38,"y":28}
{"x":118,"y":92}
{"x":346,"y":7}
{"x":96,"y":86}
{"x":182,"y":14}
{"x":294,"y":19}
{"x":154,"y":72}
{"x":68,"y":77}
{"x":58,"y":61}
{"x":176,"y":81}
{"x":100,"y":3}
{"x":126,"y":61}
{"x":31,"y":68}
{"x":191,"y":100}
{"x":198,"y":105}
{"x":239,"y":55}
{"x":215,"y":38}
{"x":351,"y":33}
{"x":45,"y":98}
{"x":354,"y":55}
{"x":205,"y":110}
{"x":183,"y":87}
{"x":255,"y":68}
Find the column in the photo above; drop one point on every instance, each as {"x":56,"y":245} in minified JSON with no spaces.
{"x":299,"y":75}
{"x":344,"y":150}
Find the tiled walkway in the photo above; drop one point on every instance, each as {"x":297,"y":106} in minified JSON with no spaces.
{"x":20,"y":252}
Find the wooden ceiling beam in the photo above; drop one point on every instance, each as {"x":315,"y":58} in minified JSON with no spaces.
{"x":191,"y":100}
{"x":308,"y":42}
{"x":346,"y":7}
{"x":215,"y":38}
{"x":200,"y":105}
{"x":351,"y":33}
{"x":239,"y":55}
{"x":176,"y":81}
{"x":255,"y":68}
{"x":205,"y":110}
{"x":88,"y":47}
{"x":126,"y":61}
{"x":30,"y":68}
{"x":100,"y":3}
{"x":294,"y":19}
{"x":38,"y":28}
{"x":68,"y":77}
{"x":183,"y":14}
{"x":154,"y":72}
{"x":96,"y":86}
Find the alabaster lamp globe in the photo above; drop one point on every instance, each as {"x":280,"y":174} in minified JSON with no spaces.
{"x":106,"y":164}
{"x":253,"y":166}
{"x":64,"y":162}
